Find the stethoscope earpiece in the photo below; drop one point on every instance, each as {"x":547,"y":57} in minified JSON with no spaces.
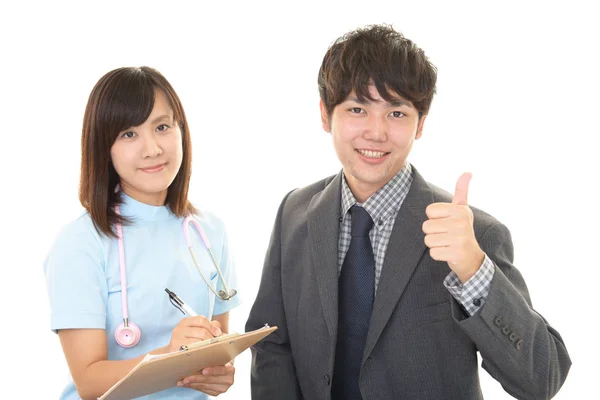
{"x":223,"y":295}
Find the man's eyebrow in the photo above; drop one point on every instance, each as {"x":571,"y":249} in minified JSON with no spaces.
{"x":357,"y":100}
{"x":393,"y":103}
{"x":399,"y":102}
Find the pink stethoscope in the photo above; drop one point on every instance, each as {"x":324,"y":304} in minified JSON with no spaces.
{"x":128,"y":334}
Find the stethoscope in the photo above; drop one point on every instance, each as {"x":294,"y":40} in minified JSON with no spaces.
{"x":128,"y":334}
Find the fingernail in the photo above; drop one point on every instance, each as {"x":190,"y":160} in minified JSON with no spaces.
{"x":180,"y":384}
{"x":205,"y":371}
{"x":218,"y":331}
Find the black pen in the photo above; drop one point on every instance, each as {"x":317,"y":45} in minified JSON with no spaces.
{"x":176,"y":301}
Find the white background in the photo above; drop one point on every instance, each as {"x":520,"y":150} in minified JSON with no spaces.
{"x":517,"y":105}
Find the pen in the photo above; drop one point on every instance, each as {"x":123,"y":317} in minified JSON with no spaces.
{"x":177,"y":302}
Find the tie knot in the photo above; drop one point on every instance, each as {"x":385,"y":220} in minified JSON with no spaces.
{"x":361,"y":221}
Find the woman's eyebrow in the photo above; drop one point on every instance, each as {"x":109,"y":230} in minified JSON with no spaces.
{"x":161,"y":118}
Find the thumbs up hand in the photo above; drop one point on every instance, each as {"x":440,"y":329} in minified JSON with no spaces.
{"x":449,"y":233}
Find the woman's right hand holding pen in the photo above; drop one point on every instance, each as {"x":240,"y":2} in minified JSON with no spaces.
{"x":193,"y":329}
{"x":214,"y":380}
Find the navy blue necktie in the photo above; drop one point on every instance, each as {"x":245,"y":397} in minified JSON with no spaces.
{"x":356,"y":294}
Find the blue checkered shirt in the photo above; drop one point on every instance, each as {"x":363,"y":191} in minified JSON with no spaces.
{"x":383,"y":207}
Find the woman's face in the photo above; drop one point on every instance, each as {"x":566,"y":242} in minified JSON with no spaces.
{"x":147,"y":157}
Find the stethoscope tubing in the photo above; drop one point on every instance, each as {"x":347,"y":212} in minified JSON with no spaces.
{"x":225,"y":294}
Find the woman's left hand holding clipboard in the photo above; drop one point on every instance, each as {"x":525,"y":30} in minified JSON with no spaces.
{"x":213,"y":380}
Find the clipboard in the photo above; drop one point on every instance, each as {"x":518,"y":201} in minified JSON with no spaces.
{"x":160,"y":372}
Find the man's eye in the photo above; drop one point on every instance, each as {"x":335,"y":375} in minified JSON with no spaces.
{"x":397,"y":114}
{"x":356,"y":110}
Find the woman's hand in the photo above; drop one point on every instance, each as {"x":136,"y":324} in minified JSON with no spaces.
{"x":212,"y":380}
{"x":193,"y":329}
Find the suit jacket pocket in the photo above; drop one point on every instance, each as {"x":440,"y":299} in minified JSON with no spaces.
{"x":423,"y":317}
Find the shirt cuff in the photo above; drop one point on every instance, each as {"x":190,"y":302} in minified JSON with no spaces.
{"x":472,"y":294}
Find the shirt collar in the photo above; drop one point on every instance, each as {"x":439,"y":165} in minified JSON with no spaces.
{"x":383,"y":203}
{"x":142,"y":212}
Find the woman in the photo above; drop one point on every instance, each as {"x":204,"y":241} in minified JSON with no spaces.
{"x":135,"y":172}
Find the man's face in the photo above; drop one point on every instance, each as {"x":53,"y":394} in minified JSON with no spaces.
{"x":372,"y":139}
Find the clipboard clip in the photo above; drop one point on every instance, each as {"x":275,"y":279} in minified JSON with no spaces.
{"x":206,"y":342}
{"x":215,"y":339}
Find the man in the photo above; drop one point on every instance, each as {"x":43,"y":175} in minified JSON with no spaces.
{"x":384,"y":286}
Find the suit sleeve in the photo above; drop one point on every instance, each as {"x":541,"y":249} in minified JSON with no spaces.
{"x":273,"y":373}
{"x":518,"y":347}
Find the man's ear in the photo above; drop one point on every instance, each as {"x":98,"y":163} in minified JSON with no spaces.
{"x":420,"y":127}
{"x":324,"y":117}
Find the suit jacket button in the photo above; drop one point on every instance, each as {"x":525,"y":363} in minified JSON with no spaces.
{"x":505,"y":330}
{"x":327,"y":379}
{"x":498,"y":321}
{"x":477,"y":302}
{"x":519,"y":344}
{"x":513,"y":337}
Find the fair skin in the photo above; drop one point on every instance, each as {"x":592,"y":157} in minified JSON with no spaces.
{"x":449,"y":233}
{"x":372,"y":140}
{"x":147,"y":158}
{"x":86,"y":351}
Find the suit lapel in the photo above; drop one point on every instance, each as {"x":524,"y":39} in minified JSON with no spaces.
{"x":405,"y":248}
{"x":323,"y":232}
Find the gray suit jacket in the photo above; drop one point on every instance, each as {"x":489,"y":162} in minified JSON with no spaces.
{"x":421,"y":344}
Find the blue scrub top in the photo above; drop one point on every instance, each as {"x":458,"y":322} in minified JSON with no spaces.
{"x":84,"y":281}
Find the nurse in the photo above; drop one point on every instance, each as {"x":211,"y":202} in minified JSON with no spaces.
{"x":109,"y":311}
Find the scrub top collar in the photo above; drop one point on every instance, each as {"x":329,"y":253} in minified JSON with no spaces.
{"x":141,"y":212}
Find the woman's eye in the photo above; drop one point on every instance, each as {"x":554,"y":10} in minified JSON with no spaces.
{"x":162,"y":127}
{"x":397,"y":114}
{"x":128,"y":135}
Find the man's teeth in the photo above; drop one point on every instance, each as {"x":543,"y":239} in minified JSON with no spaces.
{"x":372,"y":154}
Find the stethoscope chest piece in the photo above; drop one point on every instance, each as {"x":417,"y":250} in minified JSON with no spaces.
{"x":128,"y":336}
